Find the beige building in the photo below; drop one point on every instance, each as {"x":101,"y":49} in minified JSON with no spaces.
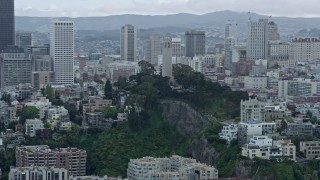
{"x":37,"y":173}
{"x":303,"y":49}
{"x":288,"y":149}
{"x":311,"y":149}
{"x":72,"y":159}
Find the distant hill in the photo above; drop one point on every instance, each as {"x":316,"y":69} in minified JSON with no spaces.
{"x":182,"y":20}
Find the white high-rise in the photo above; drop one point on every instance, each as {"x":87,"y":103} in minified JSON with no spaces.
{"x":257,"y":39}
{"x":230,"y":43}
{"x":62,"y":50}
{"x":167,"y":57}
{"x":128,"y":42}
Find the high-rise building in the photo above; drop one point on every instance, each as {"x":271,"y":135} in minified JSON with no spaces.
{"x":152,"y":49}
{"x":304,"y":49}
{"x":23,"y":39}
{"x":167,"y":57}
{"x":128,"y":43}
{"x":7,"y":26}
{"x":15,"y":67}
{"x":230,"y":42}
{"x":178,"y":49}
{"x":62,"y":51}
{"x":195,"y":43}
{"x":72,"y":159}
{"x":259,"y":34}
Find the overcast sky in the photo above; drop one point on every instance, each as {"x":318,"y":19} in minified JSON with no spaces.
{"x":76,"y":8}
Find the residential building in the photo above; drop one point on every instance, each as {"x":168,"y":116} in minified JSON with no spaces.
{"x":122,"y":69}
{"x":38,"y":173}
{"x":195,"y":43}
{"x":128,"y":43}
{"x":303,"y":49}
{"x":32,"y":125}
{"x":197,"y":64}
{"x":255,"y":82}
{"x":152,"y":49}
{"x":288,"y":149}
{"x":172,"y":168}
{"x":311,"y":149}
{"x":41,"y":78}
{"x":278,"y":51}
{"x":252,"y":151}
{"x":15,"y":67}
{"x":23,"y":39}
{"x":230,"y":42}
{"x":242,"y":68}
{"x":261,"y":141}
{"x":252,"y":109}
{"x":178,"y":49}
{"x":7,"y":23}
{"x":299,"y":129}
{"x":62,"y":51}
{"x":72,"y":159}
{"x":229,"y":132}
{"x":297,"y":87}
{"x":167,"y":57}
{"x":94,"y":178}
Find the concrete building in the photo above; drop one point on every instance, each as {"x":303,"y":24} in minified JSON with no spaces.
{"x":278,"y":51}
{"x":15,"y":67}
{"x":167,"y":57}
{"x":37,"y":173}
{"x":311,"y":149}
{"x":288,"y":149}
{"x":152,"y":49}
{"x":62,"y":51}
{"x":303,"y":49}
{"x":259,"y":34}
{"x":128,"y":43}
{"x":72,"y":159}
{"x":32,"y":125}
{"x":23,"y":39}
{"x":122,"y":69}
{"x":252,"y":109}
{"x":40,"y":79}
{"x":195,"y":43}
{"x":230,"y":42}
{"x":299,"y":129}
{"x":297,"y":87}
{"x":172,"y":168}
{"x":255,"y":82}
{"x":7,"y":23}
{"x":178,"y":49}
{"x":229,"y":132}
{"x":242,"y":68}
{"x":197,"y":64}
{"x":261,"y":141}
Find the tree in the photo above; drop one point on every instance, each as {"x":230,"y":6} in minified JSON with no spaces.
{"x":49,"y":92}
{"x":28,"y":112}
{"x":146,"y":68}
{"x":108,"y":90}
{"x":121,"y":83}
{"x":110,"y":112}
{"x":138,"y":120}
{"x":6,"y":98}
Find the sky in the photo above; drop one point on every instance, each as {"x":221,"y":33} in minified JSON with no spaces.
{"x":86,"y":8}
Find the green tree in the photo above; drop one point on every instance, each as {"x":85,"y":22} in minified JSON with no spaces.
{"x":28,"y":112}
{"x":49,"y":92}
{"x":146,"y":68}
{"x":108,"y":90}
{"x":6,"y":98}
{"x":138,"y":120}
{"x":110,"y":112}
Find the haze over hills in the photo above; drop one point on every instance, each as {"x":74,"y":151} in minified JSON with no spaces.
{"x":211,"y":20}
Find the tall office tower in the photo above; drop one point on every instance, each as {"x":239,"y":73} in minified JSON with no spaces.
{"x":15,"y":67}
{"x":167,"y":57}
{"x":177,"y":48}
{"x":230,"y":42}
{"x":257,"y":39}
{"x":195,"y":43}
{"x":62,"y":51}
{"x":273,"y":33}
{"x":152,"y":49}
{"x":7,"y":29}
{"x":128,"y":43}
{"x":23,"y":40}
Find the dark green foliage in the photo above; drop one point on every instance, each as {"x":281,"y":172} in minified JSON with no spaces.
{"x":28,"y":112}
{"x":74,"y":114}
{"x":7,"y":159}
{"x":108,"y":90}
{"x":111,"y":112}
{"x":6,"y":98}
{"x":138,"y":120}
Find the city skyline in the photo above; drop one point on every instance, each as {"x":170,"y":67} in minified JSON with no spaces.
{"x":86,"y":8}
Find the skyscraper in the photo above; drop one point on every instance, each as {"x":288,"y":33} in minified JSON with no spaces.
{"x":177,"y":48}
{"x":230,"y":42}
{"x":62,"y":51}
{"x":195,"y":43}
{"x":128,"y":42}
{"x":7,"y":29}
{"x":167,"y":57}
{"x":152,"y":49}
{"x":23,"y":40}
{"x":259,"y":35}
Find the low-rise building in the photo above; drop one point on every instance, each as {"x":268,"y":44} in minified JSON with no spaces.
{"x":37,"y":173}
{"x":255,"y":82}
{"x":311,"y":149}
{"x":32,"y":125}
{"x":299,"y":129}
{"x":288,"y":149}
{"x":229,"y":132}
{"x":261,"y":141}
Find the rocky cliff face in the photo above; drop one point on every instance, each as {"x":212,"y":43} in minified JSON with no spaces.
{"x":185,"y":119}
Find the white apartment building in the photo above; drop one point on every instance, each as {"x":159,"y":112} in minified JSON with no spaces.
{"x":173,"y":168}
{"x":229,"y":132}
{"x":261,"y":141}
{"x":37,"y":173}
{"x":255,"y":82}
{"x":252,"y":109}
{"x":178,"y":50}
{"x":257,"y":39}
{"x":298,"y":87}
{"x":167,"y":57}
{"x":288,"y":148}
{"x":303,"y":49}
{"x":311,"y":149}
{"x":197,"y":64}
{"x":128,"y":43}
{"x":32,"y":125}
{"x":62,"y":51}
